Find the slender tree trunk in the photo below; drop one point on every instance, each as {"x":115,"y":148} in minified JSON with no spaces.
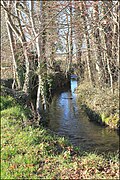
{"x":67,"y":47}
{"x":37,"y":44}
{"x":108,"y":40}
{"x":110,"y":74}
{"x":11,"y":39}
{"x":26,"y":85}
{"x":89,"y":60}
{"x":43,"y":59}
{"x":20,"y":35}
{"x":71,"y":40}
{"x":38,"y":100}
{"x":16,"y":80}
{"x":79,"y":40}
{"x":97,"y":37}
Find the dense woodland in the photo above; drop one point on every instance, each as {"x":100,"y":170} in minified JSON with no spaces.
{"x":43,"y":44}
{"x":62,"y":37}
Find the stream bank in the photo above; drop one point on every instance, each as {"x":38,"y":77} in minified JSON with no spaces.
{"x":65,"y":117}
{"x":100,"y":105}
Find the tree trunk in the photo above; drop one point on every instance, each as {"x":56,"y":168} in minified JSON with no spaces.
{"x":26,"y":85}
{"x":108,"y":39}
{"x":79,"y":41}
{"x":97,"y":37}
{"x":71,"y":41}
{"x":67,"y":47}
{"x":89,"y":60}
{"x":16,"y":80}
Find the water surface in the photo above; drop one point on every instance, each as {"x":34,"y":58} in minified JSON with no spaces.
{"x":67,"y":119}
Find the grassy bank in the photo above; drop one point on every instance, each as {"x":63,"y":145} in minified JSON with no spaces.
{"x":101,"y":104}
{"x":30,"y":152}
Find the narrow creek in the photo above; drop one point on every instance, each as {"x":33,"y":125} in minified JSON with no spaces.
{"x":67,"y":119}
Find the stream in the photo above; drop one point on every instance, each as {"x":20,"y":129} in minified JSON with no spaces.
{"x":67,"y":119}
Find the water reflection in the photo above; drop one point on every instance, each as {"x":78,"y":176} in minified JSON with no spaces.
{"x":67,"y":119}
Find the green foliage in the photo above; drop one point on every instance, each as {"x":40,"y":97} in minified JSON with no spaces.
{"x":7,"y":102}
{"x":15,"y":115}
{"x":112,"y":120}
{"x":37,"y":153}
{"x":13,"y":112}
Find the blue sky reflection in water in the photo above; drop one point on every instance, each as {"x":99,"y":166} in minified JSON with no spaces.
{"x":66,"y":118}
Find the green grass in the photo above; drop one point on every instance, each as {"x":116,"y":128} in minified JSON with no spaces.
{"x":37,"y":153}
{"x":6,"y":102}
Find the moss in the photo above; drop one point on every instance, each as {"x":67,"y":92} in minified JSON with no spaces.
{"x":111,"y":121}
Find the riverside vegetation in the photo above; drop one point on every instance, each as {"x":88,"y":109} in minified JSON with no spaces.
{"x":33,"y":152}
{"x":100,"y":105}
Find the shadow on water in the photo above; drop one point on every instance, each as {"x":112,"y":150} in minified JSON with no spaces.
{"x":67,"y":119}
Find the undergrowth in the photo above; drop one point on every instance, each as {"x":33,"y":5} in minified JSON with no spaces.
{"x":101,"y":101}
{"x":29,"y":152}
